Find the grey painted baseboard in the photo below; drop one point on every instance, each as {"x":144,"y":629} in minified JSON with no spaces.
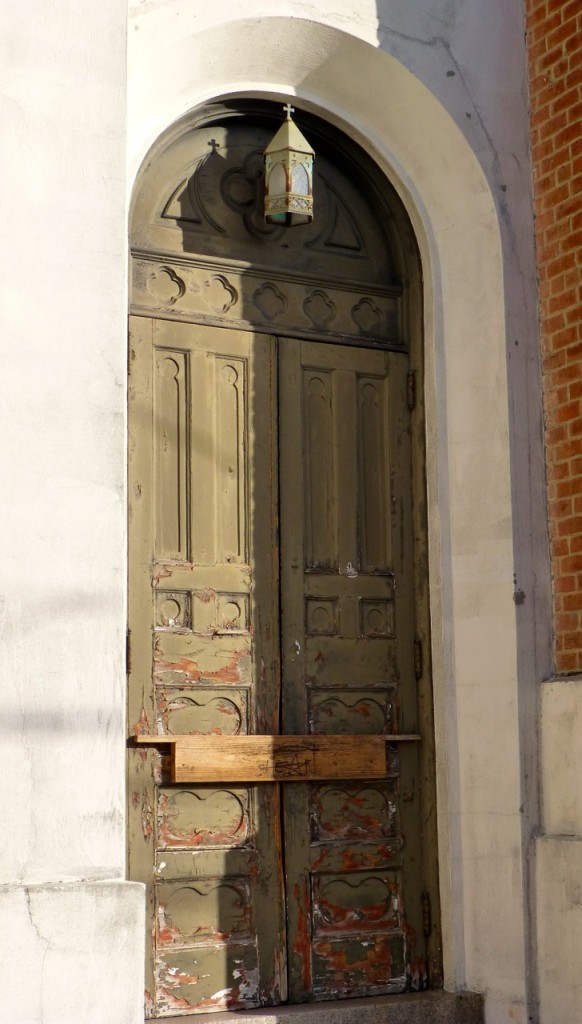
{"x":415,"y":1008}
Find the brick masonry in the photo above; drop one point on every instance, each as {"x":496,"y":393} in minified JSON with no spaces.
{"x":554,"y":41}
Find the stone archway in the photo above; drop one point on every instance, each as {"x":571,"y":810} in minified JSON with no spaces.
{"x":438,"y":177}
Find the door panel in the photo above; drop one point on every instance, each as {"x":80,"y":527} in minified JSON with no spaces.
{"x":347,"y":641}
{"x":203,"y":617}
{"x":235,"y":437}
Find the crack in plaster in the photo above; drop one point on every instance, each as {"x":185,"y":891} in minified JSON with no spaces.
{"x":41,"y":938}
{"x":496,"y":173}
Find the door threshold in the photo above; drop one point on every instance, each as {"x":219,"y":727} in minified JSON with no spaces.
{"x":411,"y":1008}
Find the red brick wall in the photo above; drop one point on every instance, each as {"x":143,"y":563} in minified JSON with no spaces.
{"x":554,"y":40}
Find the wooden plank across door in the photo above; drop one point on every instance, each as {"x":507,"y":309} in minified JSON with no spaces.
{"x":275,"y":758}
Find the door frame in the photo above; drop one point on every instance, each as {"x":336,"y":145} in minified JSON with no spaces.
{"x":412,"y":322}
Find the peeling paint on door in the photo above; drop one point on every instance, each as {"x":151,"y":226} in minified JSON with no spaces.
{"x":210,"y":855}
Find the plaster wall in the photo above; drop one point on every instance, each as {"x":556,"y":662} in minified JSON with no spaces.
{"x":72,"y":953}
{"x":62,"y":426}
{"x":558,"y":874}
{"x":561,"y":756}
{"x":71,"y":937}
{"x":559,"y":853}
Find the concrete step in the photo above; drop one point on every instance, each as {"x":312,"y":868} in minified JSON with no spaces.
{"x":413,"y":1008}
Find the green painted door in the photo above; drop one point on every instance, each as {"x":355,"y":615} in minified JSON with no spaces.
{"x":347,"y":585}
{"x":271,"y":590}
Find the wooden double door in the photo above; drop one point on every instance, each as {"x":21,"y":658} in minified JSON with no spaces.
{"x":272,"y":591}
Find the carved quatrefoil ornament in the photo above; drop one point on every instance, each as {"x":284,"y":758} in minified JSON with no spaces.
{"x":270,"y":302}
{"x":219,"y":294}
{"x":165,"y":286}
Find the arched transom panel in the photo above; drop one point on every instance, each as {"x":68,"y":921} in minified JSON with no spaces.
{"x":202,"y":250}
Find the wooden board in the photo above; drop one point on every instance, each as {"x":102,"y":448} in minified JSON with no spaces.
{"x":275,"y":758}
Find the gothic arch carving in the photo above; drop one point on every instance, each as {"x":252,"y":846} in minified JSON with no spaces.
{"x":198,"y":215}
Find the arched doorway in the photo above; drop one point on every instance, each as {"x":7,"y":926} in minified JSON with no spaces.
{"x":278,"y":580}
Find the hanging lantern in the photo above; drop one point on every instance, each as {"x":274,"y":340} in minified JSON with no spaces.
{"x":289,"y":176}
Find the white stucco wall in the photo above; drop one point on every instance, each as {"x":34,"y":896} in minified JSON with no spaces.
{"x":62,"y":429}
{"x":559,"y":853}
{"x":70,"y":942}
{"x":435,"y":91}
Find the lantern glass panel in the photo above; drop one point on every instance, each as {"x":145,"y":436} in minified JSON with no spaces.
{"x":277,"y":181}
{"x":300,"y":180}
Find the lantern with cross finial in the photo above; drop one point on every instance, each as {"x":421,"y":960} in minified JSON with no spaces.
{"x":289,"y":176}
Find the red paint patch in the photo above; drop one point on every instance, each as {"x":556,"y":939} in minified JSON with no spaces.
{"x":142,"y":726}
{"x":171,"y":1001}
{"x":162,"y":573}
{"x":302,"y":944}
{"x":229,"y":673}
{"x":341,"y":971}
{"x":147,"y":816}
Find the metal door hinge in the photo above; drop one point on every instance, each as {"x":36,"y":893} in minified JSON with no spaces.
{"x":426,"y":914}
{"x":418,"y":659}
{"x":127,"y":651}
{"x":411,"y":389}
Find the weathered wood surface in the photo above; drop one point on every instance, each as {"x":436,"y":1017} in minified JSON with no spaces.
{"x":203,"y":488}
{"x":276,"y":758}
